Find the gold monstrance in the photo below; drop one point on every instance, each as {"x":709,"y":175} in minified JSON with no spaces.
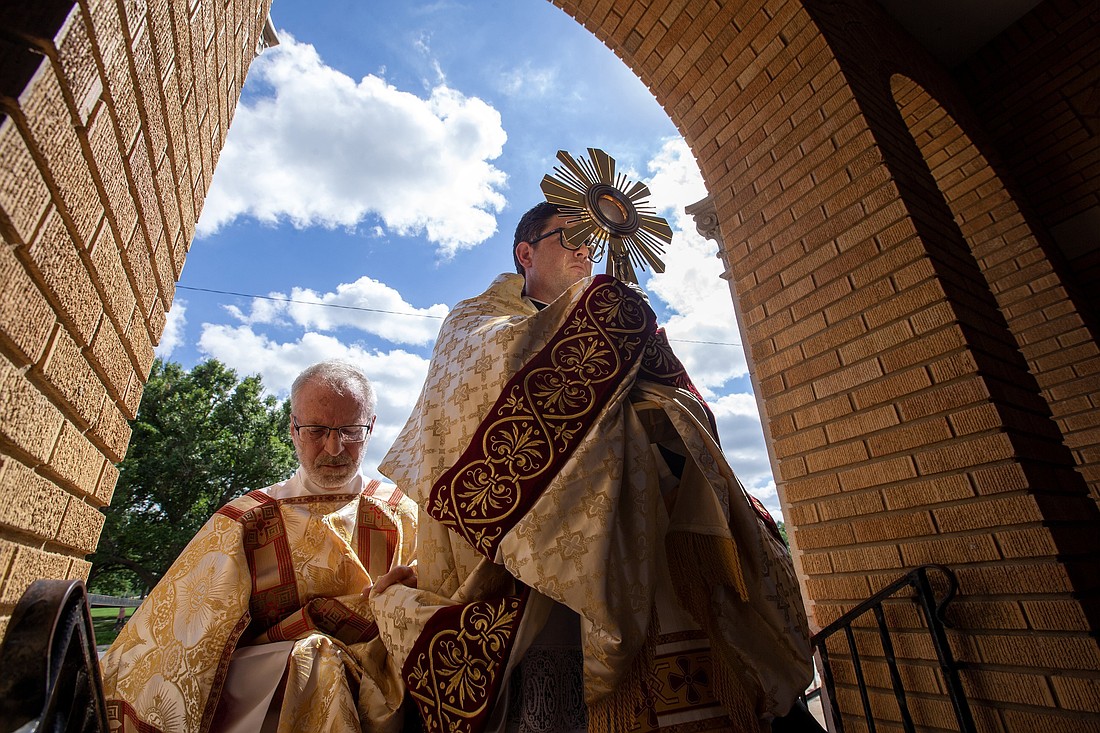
{"x":599,"y":205}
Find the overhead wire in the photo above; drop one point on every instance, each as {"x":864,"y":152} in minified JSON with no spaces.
{"x":285,"y":299}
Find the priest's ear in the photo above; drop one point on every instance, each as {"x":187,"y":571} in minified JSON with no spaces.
{"x":525,"y":254}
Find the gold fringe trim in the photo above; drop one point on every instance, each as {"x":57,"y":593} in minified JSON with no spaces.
{"x":697,"y":563}
{"x":618,"y":712}
{"x":710,"y":560}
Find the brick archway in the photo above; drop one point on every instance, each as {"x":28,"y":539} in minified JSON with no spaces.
{"x":914,"y":402}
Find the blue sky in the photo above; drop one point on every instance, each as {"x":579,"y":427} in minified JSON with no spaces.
{"x":379,"y":160}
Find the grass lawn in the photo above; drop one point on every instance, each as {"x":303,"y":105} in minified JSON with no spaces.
{"x":103,"y":621}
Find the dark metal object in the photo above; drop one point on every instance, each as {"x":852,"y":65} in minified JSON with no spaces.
{"x":933,"y":609}
{"x":50,"y":680}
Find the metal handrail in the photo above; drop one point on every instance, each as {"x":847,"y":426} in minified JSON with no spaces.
{"x":934,"y":615}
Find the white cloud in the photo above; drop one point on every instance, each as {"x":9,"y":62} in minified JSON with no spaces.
{"x":743,"y":444}
{"x":528,"y":82}
{"x":397,"y":375}
{"x":366,"y":304}
{"x":324,"y":150}
{"x":691,"y":286}
{"x":173,"y":329}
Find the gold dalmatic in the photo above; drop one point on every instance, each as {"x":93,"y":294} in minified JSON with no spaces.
{"x":608,"y":210}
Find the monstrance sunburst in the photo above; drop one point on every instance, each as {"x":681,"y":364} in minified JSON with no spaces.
{"x":607,"y":207}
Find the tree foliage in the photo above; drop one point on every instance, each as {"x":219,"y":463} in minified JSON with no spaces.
{"x":200,"y":438}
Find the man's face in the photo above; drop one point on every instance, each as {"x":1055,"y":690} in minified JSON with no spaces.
{"x":551,"y":269}
{"x":329,"y":463}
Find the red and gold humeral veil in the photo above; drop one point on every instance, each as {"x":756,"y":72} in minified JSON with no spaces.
{"x":532,"y":454}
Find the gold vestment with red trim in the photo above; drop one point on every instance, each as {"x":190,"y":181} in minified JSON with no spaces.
{"x":275,"y":565}
{"x":535,"y":453}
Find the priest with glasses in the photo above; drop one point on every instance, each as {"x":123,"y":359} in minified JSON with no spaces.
{"x":261,"y":623}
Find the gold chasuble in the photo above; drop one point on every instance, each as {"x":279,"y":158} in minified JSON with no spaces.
{"x":261,"y":618}
{"x":562,"y":456}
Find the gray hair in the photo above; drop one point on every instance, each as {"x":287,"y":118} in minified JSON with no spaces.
{"x":341,"y":377}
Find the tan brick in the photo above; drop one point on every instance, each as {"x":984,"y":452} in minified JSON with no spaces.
{"x":80,"y":527}
{"x":75,"y":461}
{"x":892,"y":527}
{"x":999,"y":479}
{"x":827,"y":410}
{"x":821,"y":536}
{"x":862,"y":559}
{"x":1077,"y":653}
{"x":1055,"y":615}
{"x":908,"y":436}
{"x":811,"y":487}
{"x":26,"y":318}
{"x":1007,"y":579}
{"x":79,"y":72}
{"x":31,"y":503}
{"x":878,"y":473}
{"x":137,"y":343}
{"x":835,"y":456}
{"x":59,"y":268}
{"x":24,"y":196}
{"x":109,"y":357}
{"x":872,"y":343}
{"x":951,"y":551}
{"x":801,"y":442}
{"x":74,"y":381}
{"x":838,"y":587}
{"x":890,"y":388}
{"x":157,"y":321}
{"x":132,"y":398}
{"x":138,"y":263}
{"x":28,"y":422}
{"x":1007,"y":687}
{"x":51,"y":134}
{"x":105,"y":489}
{"x":986,"y":513}
{"x":30,"y":564}
{"x":80,"y":569}
{"x":937,"y":490}
{"x":849,"y":505}
{"x":963,"y":454}
{"x":112,"y":431}
{"x":108,"y":162}
{"x":1029,"y":542}
{"x":817,"y":563}
{"x":109,"y":275}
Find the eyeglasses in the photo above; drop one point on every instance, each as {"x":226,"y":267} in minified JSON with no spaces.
{"x":595,"y":249}
{"x":319,"y":433}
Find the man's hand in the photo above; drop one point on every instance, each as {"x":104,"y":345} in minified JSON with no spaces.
{"x":400,"y":574}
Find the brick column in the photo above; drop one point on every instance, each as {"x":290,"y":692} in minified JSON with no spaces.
{"x":111,"y":118}
{"x":906,"y":424}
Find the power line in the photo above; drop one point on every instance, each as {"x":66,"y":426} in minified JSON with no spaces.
{"x":392,"y":313}
{"x":309,"y":302}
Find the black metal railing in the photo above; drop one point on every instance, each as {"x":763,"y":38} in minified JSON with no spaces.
{"x":50,"y":678}
{"x":933,"y":610}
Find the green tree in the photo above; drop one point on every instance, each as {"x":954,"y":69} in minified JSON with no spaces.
{"x":200,"y":438}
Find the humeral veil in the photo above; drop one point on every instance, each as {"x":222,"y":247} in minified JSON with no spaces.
{"x":563,"y":455}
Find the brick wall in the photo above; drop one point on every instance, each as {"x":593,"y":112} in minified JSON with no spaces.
{"x":1036,"y":90}
{"x":111,"y":118}
{"x":926,"y":378}
{"x":926,"y":365}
